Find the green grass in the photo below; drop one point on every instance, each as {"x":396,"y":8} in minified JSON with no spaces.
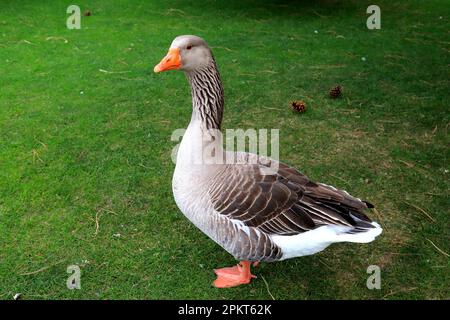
{"x":67,"y":158}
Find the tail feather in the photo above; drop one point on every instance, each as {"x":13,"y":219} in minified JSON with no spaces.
{"x":361,"y":235}
{"x":316,"y":240}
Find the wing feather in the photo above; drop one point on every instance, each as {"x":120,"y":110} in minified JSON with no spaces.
{"x":285,"y":203}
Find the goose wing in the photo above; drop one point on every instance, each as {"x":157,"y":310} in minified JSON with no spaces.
{"x":283,"y":203}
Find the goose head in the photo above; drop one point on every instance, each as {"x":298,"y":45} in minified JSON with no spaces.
{"x":188,"y":53}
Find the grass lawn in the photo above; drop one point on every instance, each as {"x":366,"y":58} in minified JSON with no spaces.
{"x":85,"y":127}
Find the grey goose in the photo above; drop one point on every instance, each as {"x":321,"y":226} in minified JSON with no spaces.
{"x":254,"y":215}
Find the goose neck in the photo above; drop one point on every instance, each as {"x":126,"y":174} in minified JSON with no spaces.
{"x":207,"y":96}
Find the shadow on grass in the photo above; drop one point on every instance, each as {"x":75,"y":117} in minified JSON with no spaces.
{"x":268,"y":9}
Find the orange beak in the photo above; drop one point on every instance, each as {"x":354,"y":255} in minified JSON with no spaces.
{"x":171,"y":61}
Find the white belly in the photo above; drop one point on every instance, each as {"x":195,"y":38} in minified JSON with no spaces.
{"x":190,"y":194}
{"x":191,"y":179}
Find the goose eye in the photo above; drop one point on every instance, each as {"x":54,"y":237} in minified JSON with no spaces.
{"x":189,"y":47}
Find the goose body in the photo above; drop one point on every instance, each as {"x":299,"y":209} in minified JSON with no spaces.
{"x":254,"y":212}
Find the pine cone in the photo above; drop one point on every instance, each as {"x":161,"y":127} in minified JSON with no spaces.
{"x":336,"y":92}
{"x":298,"y":106}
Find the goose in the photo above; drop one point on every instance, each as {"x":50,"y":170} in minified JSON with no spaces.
{"x":256,"y":215}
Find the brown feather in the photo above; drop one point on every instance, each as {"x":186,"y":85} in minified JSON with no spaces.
{"x":285,"y":203}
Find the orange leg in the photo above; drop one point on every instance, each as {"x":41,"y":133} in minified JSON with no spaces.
{"x":233,"y":276}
